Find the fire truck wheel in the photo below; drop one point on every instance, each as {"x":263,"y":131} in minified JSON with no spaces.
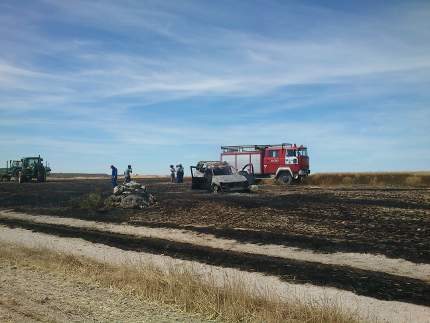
{"x":285,"y":179}
{"x":299,"y":180}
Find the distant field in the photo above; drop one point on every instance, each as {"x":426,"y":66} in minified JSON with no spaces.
{"x":418,"y":179}
{"x":59,"y":176}
{"x":77,"y":175}
{"x":382,"y":178}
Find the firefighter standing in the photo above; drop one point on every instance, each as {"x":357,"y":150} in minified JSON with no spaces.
{"x":127,"y":174}
{"x":172,"y":174}
{"x":114,"y":176}
{"x":179,"y":173}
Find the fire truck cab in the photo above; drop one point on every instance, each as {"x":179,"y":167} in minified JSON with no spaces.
{"x":284,"y":162}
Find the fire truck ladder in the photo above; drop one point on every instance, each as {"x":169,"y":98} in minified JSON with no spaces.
{"x":244,"y":148}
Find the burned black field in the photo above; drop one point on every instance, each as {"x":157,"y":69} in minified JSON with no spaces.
{"x":390,"y":221}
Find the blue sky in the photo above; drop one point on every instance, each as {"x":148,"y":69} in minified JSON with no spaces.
{"x":91,"y":83}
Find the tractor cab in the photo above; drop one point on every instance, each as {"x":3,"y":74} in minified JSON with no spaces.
{"x":32,"y":162}
{"x":15,"y":164}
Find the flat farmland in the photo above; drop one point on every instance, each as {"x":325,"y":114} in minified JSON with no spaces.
{"x":372,"y":241}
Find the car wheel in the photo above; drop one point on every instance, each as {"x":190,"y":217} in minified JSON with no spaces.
{"x":195,"y":185}
{"x":215,"y":188}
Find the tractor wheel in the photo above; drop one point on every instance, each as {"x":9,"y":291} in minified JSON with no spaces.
{"x":215,"y":188}
{"x":285,"y":179}
{"x":41,"y":177}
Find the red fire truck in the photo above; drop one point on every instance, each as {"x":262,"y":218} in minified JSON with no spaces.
{"x":284,"y":162}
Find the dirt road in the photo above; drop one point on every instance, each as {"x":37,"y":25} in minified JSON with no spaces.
{"x":28,"y":294}
{"x":365,"y":307}
{"x":362,"y":261}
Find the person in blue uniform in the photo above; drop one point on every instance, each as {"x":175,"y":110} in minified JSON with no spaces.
{"x":179,"y":173}
{"x":114,"y":177}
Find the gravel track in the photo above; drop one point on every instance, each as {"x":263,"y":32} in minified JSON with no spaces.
{"x":362,"y":282}
{"x":365,"y":307}
{"x":369,"y":262}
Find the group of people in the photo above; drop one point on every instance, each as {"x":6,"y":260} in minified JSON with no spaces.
{"x":177,"y":175}
{"x":127,"y":175}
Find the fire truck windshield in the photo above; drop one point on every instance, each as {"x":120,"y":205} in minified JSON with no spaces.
{"x":302,"y":152}
{"x":291,"y":153}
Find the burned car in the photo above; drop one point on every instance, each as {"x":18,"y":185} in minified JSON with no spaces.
{"x":217,"y":176}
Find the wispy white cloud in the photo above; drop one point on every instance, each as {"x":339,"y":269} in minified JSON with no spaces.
{"x":108,"y":58}
{"x":247,"y":64}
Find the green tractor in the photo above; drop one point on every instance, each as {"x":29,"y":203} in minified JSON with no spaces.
{"x":25,"y":170}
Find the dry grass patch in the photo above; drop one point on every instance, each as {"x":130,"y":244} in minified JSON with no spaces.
{"x":374,"y":179}
{"x":181,"y":288}
{"x":93,"y":201}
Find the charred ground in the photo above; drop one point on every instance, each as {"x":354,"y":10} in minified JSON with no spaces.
{"x":390,"y":221}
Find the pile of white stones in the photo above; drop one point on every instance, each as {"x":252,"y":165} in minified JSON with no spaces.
{"x":131,"y":195}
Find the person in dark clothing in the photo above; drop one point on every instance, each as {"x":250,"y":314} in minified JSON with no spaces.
{"x":114,"y":177}
{"x":127,"y":174}
{"x":172,"y":174}
{"x":179,"y":173}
